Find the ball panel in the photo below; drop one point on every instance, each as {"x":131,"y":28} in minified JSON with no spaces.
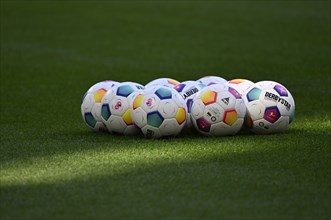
{"x":118,"y":105}
{"x":98,"y":95}
{"x":179,"y":87}
{"x":154,"y":119}
{"x":209,"y":97}
{"x":139,"y":117}
{"x":151,"y":132}
{"x":88,"y":103}
{"x":169,"y":127}
{"x":236,"y":81}
{"x":253,"y":94}
{"x":222,"y":129}
{"x":248,"y":121}
{"x":255,"y":109}
{"x":89,"y":119}
{"x":230,"y":117}
{"x":116,"y":124}
{"x":203,"y":125}
{"x":197,"y":109}
{"x":226,"y":100}
{"x":124,"y":90}
{"x":163,"y":93}
{"x":173,"y":82}
{"x":281,"y":90}
{"x":105,"y":112}
{"x":137,"y":101}
{"x":240,"y":108}
{"x":213,"y":113}
{"x":150,"y":102}
{"x":168,"y":108}
{"x":271,"y":114}
{"x":234,"y":92}
{"x":127,"y":117}
{"x":181,"y":116}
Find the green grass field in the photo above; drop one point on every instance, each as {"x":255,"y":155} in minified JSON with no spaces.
{"x":53,"y":167}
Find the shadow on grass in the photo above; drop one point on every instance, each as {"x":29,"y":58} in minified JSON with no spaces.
{"x":67,"y":143}
{"x":281,"y":183}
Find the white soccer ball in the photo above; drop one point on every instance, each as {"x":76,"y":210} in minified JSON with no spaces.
{"x":218,"y":111}
{"x":241,"y":85}
{"x":115,"y":110}
{"x":270,"y":107}
{"x":159,"y":111}
{"x":162,"y":82}
{"x":91,"y":105}
{"x":210,"y":80}
{"x":188,"y":90}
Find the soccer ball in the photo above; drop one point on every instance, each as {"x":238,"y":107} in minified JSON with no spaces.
{"x":91,"y":104}
{"x":270,"y":107}
{"x":162,"y":81}
{"x":159,"y":111}
{"x":210,"y":80}
{"x":115,"y":110}
{"x":218,"y":111}
{"x":188,"y":90}
{"x":241,"y":85}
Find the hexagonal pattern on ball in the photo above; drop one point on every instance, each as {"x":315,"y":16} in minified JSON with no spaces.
{"x":124,"y":90}
{"x":181,"y":116}
{"x":137,"y":101}
{"x":209,"y":97}
{"x":169,"y":127}
{"x":179,"y":87}
{"x":197,"y":109}
{"x":203,"y":125}
{"x":253,"y":94}
{"x":116,"y":124}
{"x":168,"y":108}
{"x":234,"y":92}
{"x":98,"y":95}
{"x":271,"y":114}
{"x":281,"y":90}
{"x":230,"y":117}
{"x":89,"y":119}
{"x":255,"y":109}
{"x":139,"y":117}
{"x":105,"y":112}
{"x":154,"y":119}
{"x":127,"y":117}
{"x":237,"y":81}
{"x":163,"y":93}
{"x":240,"y":108}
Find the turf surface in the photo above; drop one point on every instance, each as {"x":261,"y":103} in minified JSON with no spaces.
{"x":52,"y":167}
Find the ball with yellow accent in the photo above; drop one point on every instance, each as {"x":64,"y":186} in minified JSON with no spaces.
{"x":218,"y":111}
{"x":159,"y":111}
{"x":91,"y":104}
{"x":115,"y":109}
{"x":168,"y":82}
{"x":241,"y":85}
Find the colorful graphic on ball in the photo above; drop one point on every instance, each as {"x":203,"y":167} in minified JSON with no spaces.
{"x":209,"y":97}
{"x":118,"y":105}
{"x":281,"y":90}
{"x":98,"y":95}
